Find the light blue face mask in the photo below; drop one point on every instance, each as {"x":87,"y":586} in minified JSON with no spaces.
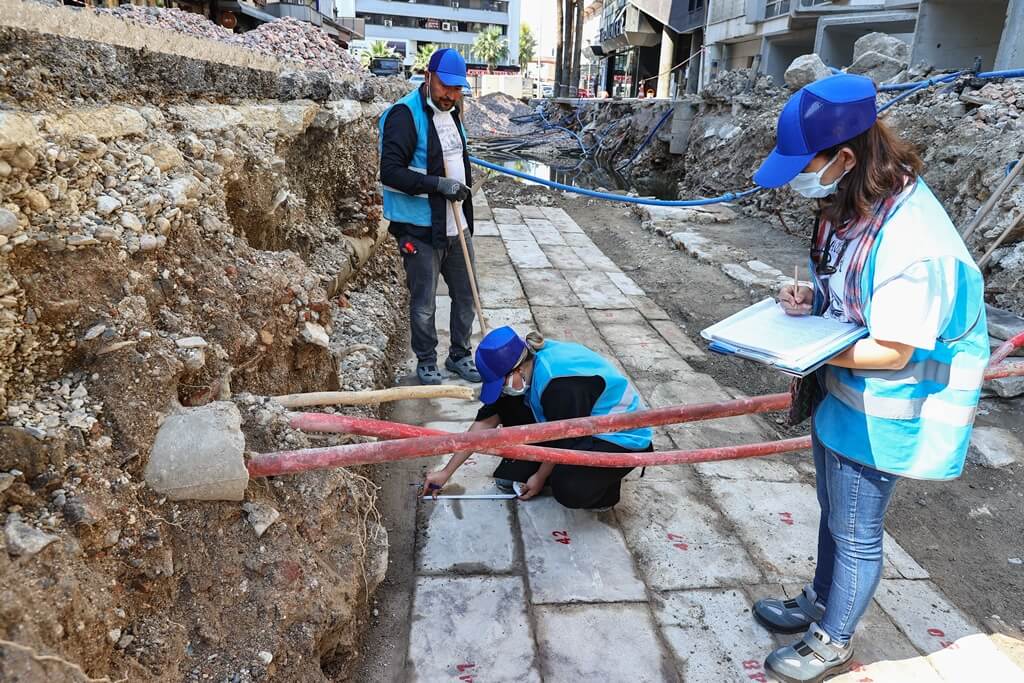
{"x":809,"y":184}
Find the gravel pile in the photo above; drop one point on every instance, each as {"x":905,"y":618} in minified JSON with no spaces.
{"x":286,"y":39}
{"x":489,"y":115}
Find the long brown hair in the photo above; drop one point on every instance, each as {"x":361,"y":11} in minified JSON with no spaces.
{"x":884,"y":162}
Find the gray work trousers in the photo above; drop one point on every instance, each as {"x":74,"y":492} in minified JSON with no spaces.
{"x":421,"y":271}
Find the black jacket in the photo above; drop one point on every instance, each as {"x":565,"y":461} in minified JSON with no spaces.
{"x":397,"y":150}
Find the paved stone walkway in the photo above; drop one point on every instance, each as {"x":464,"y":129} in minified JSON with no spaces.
{"x":660,"y":588}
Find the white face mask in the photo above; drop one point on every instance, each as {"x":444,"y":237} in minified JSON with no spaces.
{"x":809,"y":184}
{"x":509,"y":390}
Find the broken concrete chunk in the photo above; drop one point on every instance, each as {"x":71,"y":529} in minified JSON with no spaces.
{"x":995,"y":447}
{"x":261,"y":516}
{"x":315,"y":334}
{"x":191,"y":343}
{"x":1003,"y":324}
{"x":198,"y":455}
{"x":876,"y":66}
{"x":24,"y":540}
{"x":1004,"y":387}
{"x":882,"y":43}
{"x":804,"y":70}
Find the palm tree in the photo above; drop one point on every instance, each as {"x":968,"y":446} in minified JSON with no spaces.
{"x":423,"y":57}
{"x":491,"y":47}
{"x":378,"y":48}
{"x":527,"y":46}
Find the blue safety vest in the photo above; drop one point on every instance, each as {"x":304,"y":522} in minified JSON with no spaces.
{"x":565,"y":359}
{"x":915,"y":422}
{"x":400,"y":207}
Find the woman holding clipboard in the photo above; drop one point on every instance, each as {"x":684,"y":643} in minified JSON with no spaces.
{"x":898,"y":403}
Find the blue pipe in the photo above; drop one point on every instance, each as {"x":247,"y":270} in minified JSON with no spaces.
{"x":647,"y":140}
{"x":916,"y":85}
{"x":727,"y":197}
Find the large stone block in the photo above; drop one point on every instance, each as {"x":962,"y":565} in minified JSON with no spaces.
{"x":106,"y":123}
{"x":883,"y":43}
{"x":876,"y":66}
{"x":198,"y":455}
{"x":17,"y":130}
{"x":804,"y":70}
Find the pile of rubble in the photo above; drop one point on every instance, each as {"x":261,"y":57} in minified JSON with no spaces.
{"x":490,"y":115}
{"x":286,"y":39}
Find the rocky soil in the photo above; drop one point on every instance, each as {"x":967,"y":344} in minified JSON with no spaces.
{"x":175,"y":232}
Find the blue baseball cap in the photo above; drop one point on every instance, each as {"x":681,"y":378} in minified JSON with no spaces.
{"x":449,"y":66}
{"x":818,"y":116}
{"x":496,"y":356}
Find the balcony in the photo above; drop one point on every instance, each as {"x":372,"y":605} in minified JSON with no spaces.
{"x":423,"y":10}
{"x":776,"y":8}
{"x":688,"y":16}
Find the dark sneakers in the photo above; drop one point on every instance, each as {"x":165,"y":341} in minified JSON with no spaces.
{"x":789,"y":616}
{"x":810,"y":660}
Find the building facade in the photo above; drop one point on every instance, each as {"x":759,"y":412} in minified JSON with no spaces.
{"x":406,"y":25}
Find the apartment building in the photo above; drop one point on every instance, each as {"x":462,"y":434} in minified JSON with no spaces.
{"x":407,"y":24}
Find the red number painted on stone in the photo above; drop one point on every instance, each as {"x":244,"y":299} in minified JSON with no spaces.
{"x":949,"y":645}
{"x":937,"y":632}
{"x":754,"y":665}
{"x":751,"y":664}
{"x":467,"y":678}
{"x":678,"y":542}
{"x":561,"y":537}
{"x":759,"y":677}
{"x":464,"y":667}
{"x":786,"y":518}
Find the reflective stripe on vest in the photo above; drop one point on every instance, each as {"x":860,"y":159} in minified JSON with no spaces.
{"x":915,"y":422}
{"x":398,"y":206}
{"x":565,"y":359}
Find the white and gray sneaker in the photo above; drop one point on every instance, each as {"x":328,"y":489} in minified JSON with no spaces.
{"x":810,"y":660}
{"x":789,"y":616}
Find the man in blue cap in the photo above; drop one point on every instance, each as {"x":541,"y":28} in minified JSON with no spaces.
{"x":425,"y":171}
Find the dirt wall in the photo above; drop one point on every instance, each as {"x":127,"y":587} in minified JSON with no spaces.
{"x":175,"y":231}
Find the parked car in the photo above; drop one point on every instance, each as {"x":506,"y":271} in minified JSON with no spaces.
{"x":386,"y":66}
{"x":547,"y":90}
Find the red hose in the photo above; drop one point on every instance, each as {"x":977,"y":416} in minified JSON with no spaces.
{"x":1005,"y":349}
{"x":365,"y":426}
{"x":285,"y":462}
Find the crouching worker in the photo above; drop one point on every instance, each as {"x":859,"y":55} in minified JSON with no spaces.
{"x":532,"y":380}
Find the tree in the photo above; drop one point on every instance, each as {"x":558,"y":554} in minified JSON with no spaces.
{"x":559,"y":47}
{"x":577,"y":49}
{"x":527,"y":46}
{"x":562,"y":89}
{"x":491,"y":47}
{"x":378,"y":48}
{"x":423,"y":57}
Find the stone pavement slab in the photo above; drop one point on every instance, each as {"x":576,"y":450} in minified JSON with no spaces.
{"x":712,"y":634}
{"x":563,"y":258}
{"x":678,"y":540}
{"x":466,"y":537}
{"x":513,"y":231}
{"x":486,"y":228}
{"x":508,"y":216}
{"x":526,"y":254}
{"x":519,"y":319}
{"x":533,"y":212}
{"x":679,"y":340}
{"x":777,"y":521}
{"x":578,"y":240}
{"x":487,"y":252}
{"x":595,"y":290}
{"x":499,"y":287}
{"x":626,"y":284}
{"x":545,"y":233}
{"x":606,"y":643}
{"x":571,"y":323}
{"x":547,"y":287}
{"x":595,"y":259}
{"x":923,"y":613}
{"x":457,"y":622}
{"x":575,"y":555}
{"x":562,"y":220}
{"x":651,"y":310}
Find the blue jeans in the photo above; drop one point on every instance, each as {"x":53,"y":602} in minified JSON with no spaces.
{"x":853,"y":500}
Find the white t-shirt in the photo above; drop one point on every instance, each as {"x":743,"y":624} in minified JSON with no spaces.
{"x":451,"y":148}
{"x":911,"y":306}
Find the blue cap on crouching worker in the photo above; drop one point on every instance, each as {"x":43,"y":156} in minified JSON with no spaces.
{"x":496,"y":356}
{"x":820,"y":115}
{"x":449,"y":66}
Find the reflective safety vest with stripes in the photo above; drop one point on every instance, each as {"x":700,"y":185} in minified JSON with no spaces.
{"x":565,"y":359}
{"x":915,"y":422}
{"x":400,"y":207}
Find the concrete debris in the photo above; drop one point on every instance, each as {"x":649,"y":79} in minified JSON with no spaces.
{"x":883,"y":44}
{"x":286,"y":38}
{"x":198,"y":455}
{"x":261,"y":516}
{"x":24,"y":540}
{"x":878,"y":67}
{"x":805,"y":69}
{"x":995,"y":447}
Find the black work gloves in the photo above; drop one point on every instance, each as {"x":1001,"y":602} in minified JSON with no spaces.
{"x":453,"y":190}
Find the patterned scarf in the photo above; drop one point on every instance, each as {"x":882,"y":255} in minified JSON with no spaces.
{"x":867,"y":228}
